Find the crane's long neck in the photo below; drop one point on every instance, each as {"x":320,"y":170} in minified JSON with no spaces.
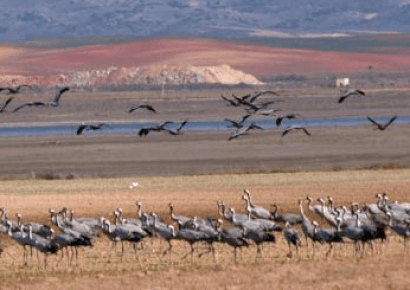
{"x":58,"y":220}
{"x":357,"y":220}
{"x":322,"y":205}
{"x":275,"y":209}
{"x":330,"y":206}
{"x":171,"y":209}
{"x":301,"y":208}
{"x":139,"y":210}
{"x":195,"y":223}
{"x":247,"y":201}
{"x":248,"y":209}
{"x":9,"y":230}
{"x":18,"y":220}
{"x":225,"y":212}
{"x":220,"y":209}
{"x":233,"y":217}
{"x":250,"y":198}
{"x":379,"y":201}
{"x":109,"y":227}
{"x":309,"y":204}
{"x":116,"y":218}
{"x":338,"y":224}
{"x":172,"y":231}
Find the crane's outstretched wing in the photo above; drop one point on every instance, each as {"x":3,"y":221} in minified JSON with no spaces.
{"x":5,"y":104}
{"x":59,"y":93}
{"x":342,"y":98}
{"x":30,"y":104}
{"x":258,"y":94}
{"x":296,"y":128}
{"x":373,"y":121}
{"x":81,"y":128}
{"x":182,"y":125}
{"x":391,"y":121}
{"x":149,"y":108}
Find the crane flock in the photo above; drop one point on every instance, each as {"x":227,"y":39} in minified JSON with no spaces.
{"x":249,"y":102}
{"x":359,"y":226}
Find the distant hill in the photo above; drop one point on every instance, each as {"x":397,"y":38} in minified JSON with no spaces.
{"x":181,"y":61}
{"x":226,"y":19}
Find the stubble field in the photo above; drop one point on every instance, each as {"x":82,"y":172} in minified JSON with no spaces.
{"x":99,"y":267}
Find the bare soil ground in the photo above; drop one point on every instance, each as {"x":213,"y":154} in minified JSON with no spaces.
{"x":203,"y":152}
{"x":99,"y":267}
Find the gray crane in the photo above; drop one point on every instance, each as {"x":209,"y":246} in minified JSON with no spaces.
{"x":54,"y":103}
{"x":16,"y":90}
{"x":177,"y":131}
{"x":230,"y":102}
{"x":191,"y":237}
{"x":363,"y":232}
{"x":330,"y":217}
{"x":142,"y":106}
{"x":255,"y":211}
{"x":38,"y":229}
{"x":165,"y":233}
{"x":307,"y":227}
{"x":157,"y":128}
{"x":46,"y":246}
{"x":232,"y":237}
{"x":292,"y":237}
{"x":295,"y":128}
{"x":89,"y":127}
{"x":317,"y":209}
{"x":290,"y":218}
{"x":258,"y":237}
{"x":256,"y":224}
{"x":268,"y":113}
{"x":237,"y":124}
{"x":4,"y":219}
{"x":179,"y":219}
{"x":91,"y":222}
{"x":119,"y":233}
{"x":258,"y":94}
{"x":243,"y":131}
{"x":384,"y":126}
{"x":6,"y":103}
{"x":59,"y":93}
{"x":227,"y":214}
{"x":288,"y":116}
{"x":348,"y":93}
{"x":82,"y":228}
{"x":327,"y":235}
{"x":402,"y":230}
{"x":72,"y":240}
{"x":20,"y":237}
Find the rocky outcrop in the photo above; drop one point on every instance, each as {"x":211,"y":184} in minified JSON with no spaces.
{"x":156,"y":75}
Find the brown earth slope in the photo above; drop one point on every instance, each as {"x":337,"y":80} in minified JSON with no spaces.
{"x":253,"y":59}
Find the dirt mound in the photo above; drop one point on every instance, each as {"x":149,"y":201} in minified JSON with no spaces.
{"x":156,"y":74}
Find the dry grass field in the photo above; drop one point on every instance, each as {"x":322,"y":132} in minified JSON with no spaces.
{"x":99,"y":267}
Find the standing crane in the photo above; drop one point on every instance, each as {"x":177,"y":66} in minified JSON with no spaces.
{"x":293,"y":237}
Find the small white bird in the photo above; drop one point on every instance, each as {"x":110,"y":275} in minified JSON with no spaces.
{"x":134,"y":184}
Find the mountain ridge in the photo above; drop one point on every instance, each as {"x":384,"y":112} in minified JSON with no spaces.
{"x":223,"y":19}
